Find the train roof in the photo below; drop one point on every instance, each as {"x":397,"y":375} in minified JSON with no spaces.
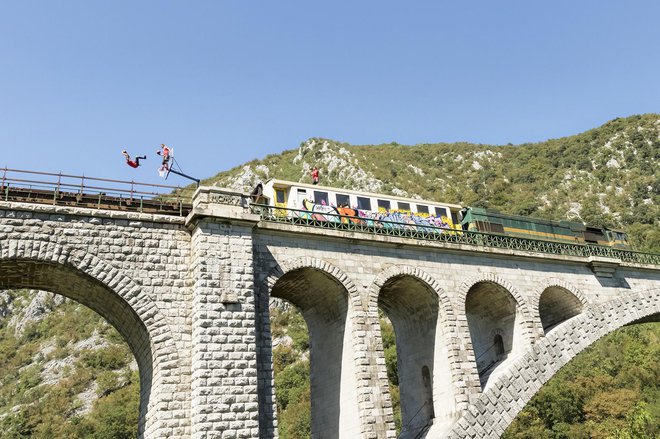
{"x":273,"y":182}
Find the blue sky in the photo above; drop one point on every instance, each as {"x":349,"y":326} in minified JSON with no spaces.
{"x":226,"y":82}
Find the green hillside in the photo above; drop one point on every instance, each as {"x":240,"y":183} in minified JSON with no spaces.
{"x":610,"y":391}
{"x":64,"y":371}
{"x":606,"y":176}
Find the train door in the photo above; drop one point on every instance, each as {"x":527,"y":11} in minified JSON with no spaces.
{"x":302,"y":196}
{"x":280,"y":201}
{"x":456,"y":218}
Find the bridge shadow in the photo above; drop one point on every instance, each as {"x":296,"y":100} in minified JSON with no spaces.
{"x":557,"y":305}
{"x":495,"y":324}
{"x":613,"y":282}
{"x":412,"y":307}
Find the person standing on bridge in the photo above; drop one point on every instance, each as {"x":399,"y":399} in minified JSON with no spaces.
{"x":315,"y":175}
{"x":133,"y":163}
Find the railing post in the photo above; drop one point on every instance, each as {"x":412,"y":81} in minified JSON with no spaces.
{"x":57,"y":189}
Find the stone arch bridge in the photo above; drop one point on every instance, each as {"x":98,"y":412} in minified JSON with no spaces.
{"x":479,"y":329}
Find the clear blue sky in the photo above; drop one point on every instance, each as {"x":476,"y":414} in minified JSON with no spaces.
{"x":226,"y":82}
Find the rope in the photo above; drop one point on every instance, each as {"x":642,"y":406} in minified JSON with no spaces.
{"x":405,"y":427}
{"x":486,"y":351}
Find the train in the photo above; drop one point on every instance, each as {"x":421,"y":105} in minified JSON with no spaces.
{"x":572,"y":232}
{"x":323,"y":204}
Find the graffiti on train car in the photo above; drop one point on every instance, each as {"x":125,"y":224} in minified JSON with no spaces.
{"x":383,"y":218}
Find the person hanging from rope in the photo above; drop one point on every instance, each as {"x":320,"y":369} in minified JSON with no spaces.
{"x":133,"y":163}
{"x":164,"y":152}
{"x":170,"y":164}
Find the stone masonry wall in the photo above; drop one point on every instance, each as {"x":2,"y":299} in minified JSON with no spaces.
{"x":224,"y":381}
{"x":493,"y":411}
{"x":120,"y":265}
{"x":224,"y":355}
{"x":451,"y":271}
{"x":191,"y":298}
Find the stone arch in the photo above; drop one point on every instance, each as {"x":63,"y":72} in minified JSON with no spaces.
{"x":329,"y":302}
{"x":511,"y":391}
{"x":557,"y":301}
{"x":465,"y":287}
{"x":479,"y":321}
{"x":424,"y":325}
{"x":404,"y":270}
{"x":314,"y":263}
{"x":67,"y":271}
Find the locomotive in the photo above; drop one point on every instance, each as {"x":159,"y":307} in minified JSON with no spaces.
{"x":326,"y":204}
{"x":493,"y":221}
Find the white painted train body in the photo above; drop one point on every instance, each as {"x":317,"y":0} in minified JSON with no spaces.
{"x":340,"y":204}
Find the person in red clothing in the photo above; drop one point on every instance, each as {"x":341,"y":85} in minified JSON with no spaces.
{"x":133,"y":163}
{"x":315,"y":175}
{"x":164,"y":152}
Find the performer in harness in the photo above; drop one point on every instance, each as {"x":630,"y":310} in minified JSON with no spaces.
{"x":133,"y":163}
{"x":166,"y":167}
{"x":164,"y":152}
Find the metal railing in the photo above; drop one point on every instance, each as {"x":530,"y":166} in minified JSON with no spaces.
{"x":99,"y":193}
{"x":335,"y":221}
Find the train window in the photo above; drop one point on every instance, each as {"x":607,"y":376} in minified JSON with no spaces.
{"x":494,"y":228}
{"x":383,"y":204}
{"x":593,"y":235}
{"x":364,"y":203}
{"x":422,"y":209}
{"x":343,"y":200}
{"x":320,"y":197}
{"x":302,"y":196}
{"x":279,"y":195}
{"x":440,"y":211}
{"x":404,"y":206}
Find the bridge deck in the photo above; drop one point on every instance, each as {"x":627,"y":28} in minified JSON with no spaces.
{"x":89,"y":192}
{"x":438,"y":234}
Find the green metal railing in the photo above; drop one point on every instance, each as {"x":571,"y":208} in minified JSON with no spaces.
{"x":335,"y":221}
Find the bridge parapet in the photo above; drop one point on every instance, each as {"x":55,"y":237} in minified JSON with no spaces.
{"x":222,"y":204}
{"x":376,"y":227}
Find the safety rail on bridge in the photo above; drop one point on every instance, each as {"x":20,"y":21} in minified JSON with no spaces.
{"x":439,"y":234}
{"x":96,"y":193}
